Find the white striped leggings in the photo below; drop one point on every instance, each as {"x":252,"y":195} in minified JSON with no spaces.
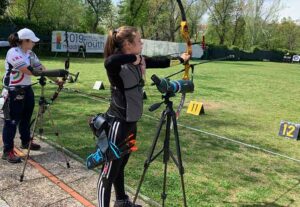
{"x":113,"y":172}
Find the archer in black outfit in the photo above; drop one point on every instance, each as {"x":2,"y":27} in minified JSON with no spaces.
{"x":125,"y":69}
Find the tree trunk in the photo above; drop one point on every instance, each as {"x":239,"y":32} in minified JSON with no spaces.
{"x":30,"y":5}
{"x":95,"y":25}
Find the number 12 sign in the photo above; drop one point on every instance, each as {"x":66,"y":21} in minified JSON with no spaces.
{"x":290,"y":130}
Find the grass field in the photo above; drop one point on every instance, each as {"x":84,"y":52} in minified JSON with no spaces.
{"x":244,"y":101}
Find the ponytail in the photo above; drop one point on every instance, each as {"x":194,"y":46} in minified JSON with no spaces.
{"x":116,"y":38}
{"x":110,"y":45}
{"x":14,"y":40}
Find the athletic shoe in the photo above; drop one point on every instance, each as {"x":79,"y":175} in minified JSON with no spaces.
{"x":11,"y":157}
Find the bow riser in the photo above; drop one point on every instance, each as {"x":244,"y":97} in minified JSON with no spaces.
{"x":184,"y":29}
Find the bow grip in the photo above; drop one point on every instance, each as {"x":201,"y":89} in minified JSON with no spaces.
{"x":186,"y":75}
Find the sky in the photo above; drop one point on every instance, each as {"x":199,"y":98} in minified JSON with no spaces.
{"x":291,"y":8}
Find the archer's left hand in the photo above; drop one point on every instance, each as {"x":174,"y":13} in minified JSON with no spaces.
{"x":185,"y":56}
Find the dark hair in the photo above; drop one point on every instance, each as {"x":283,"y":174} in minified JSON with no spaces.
{"x":116,"y":38}
{"x":14,"y":40}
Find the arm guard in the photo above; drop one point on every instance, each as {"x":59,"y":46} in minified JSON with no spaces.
{"x":48,"y":73}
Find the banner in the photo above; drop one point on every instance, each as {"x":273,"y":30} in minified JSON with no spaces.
{"x":157,"y":48}
{"x":93,"y":43}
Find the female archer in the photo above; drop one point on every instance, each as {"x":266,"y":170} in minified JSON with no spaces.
{"x":20,"y":64}
{"x":125,"y":67}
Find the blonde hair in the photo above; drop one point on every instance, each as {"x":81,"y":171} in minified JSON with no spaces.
{"x":116,"y":38}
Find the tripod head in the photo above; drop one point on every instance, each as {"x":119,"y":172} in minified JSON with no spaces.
{"x":169,"y":89}
{"x":166,"y":99}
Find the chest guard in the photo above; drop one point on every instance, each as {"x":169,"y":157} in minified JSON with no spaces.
{"x":133,"y":91}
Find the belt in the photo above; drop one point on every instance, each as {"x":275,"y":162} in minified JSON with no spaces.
{"x":15,"y":88}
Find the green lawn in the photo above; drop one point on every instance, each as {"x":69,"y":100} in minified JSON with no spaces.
{"x":244,"y":101}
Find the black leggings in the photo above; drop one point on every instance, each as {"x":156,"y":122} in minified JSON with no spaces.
{"x":113,"y":172}
{"x":19,"y":113}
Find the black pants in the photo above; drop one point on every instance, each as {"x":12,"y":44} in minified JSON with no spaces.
{"x":113,"y":172}
{"x":19,"y":112}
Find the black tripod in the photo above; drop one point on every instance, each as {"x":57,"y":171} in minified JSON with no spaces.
{"x":168,"y":115}
{"x":43,"y":106}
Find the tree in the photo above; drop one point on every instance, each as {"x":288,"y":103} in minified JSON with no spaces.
{"x":3,"y":6}
{"x":220,"y":17}
{"x":195,"y":14}
{"x":159,"y":19}
{"x":56,"y":14}
{"x":25,"y":7}
{"x":238,"y":22}
{"x":258,"y":14}
{"x":99,"y":8}
{"x":111,"y":20}
{"x":29,"y":8}
{"x":289,"y":33}
{"x":132,"y":11}
{"x":150,"y":16}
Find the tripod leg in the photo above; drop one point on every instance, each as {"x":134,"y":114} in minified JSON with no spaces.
{"x":164,"y":195}
{"x":52,"y":122}
{"x":180,"y":166}
{"x":57,"y":135}
{"x":166,"y":157}
{"x":40,"y":123}
{"x":150,"y":155}
{"x":30,"y":141}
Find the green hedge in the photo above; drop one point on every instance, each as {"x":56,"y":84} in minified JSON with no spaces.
{"x":257,"y":54}
{"x":10,"y":25}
